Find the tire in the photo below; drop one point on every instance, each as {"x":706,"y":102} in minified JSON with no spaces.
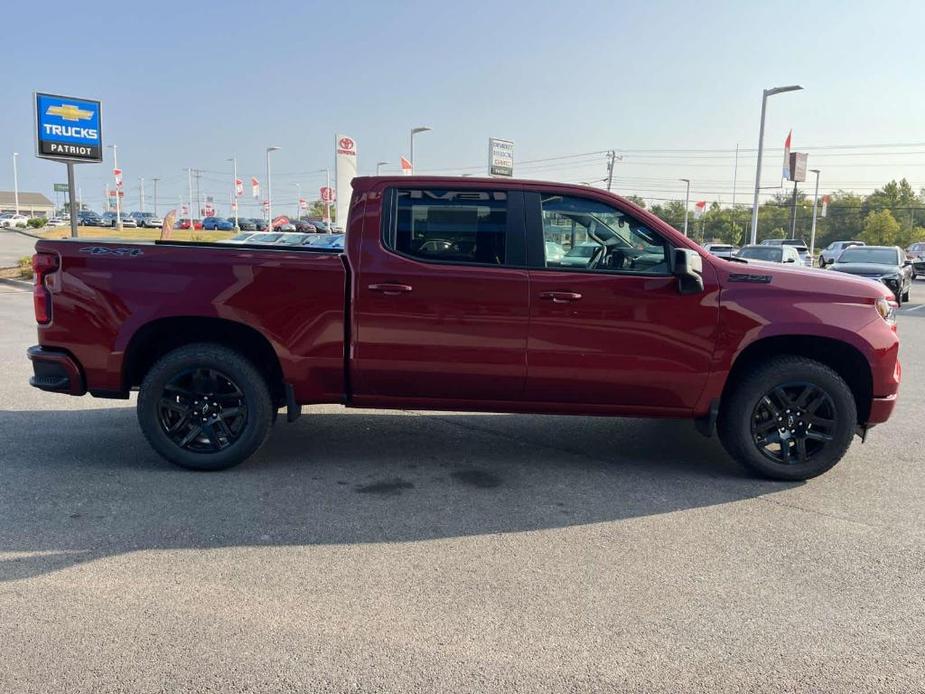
{"x":232,"y":422}
{"x":748,"y":420}
{"x":906,"y":295}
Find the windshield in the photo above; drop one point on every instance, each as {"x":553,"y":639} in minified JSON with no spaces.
{"x":761,"y":253}
{"x":876,"y":256}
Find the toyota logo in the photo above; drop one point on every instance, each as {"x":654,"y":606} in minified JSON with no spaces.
{"x":346,"y":143}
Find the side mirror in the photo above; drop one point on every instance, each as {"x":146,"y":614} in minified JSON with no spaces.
{"x":688,"y":268}
{"x":907,"y":262}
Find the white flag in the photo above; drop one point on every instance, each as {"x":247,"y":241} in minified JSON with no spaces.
{"x":345,"y":150}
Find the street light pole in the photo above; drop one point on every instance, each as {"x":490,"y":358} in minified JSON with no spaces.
{"x":155,"y":195}
{"x":141,"y":193}
{"x":415,"y":131}
{"x":764,"y":102}
{"x":687,"y":201}
{"x":812,"y":233}
{"x":15,"y":182}
{"x":270,"y":190}
{"x":379,"y":165}
{"x":189,"y":181}
{"x":298,"y":200}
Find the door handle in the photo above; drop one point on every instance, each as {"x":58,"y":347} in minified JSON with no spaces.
{"x":391,"y":289}
{"x":561,"y":297}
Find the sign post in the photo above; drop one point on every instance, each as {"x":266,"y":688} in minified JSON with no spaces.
{"x":68,"y":130}
{"x":500,"y":157}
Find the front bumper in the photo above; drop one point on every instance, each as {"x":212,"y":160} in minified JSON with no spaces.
{"x":55,"y":372}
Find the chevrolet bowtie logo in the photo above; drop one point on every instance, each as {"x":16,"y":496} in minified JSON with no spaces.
{"x":69,"y":112}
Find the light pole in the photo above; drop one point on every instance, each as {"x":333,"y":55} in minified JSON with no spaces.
{"x":298,"y":200}
{"x":234,"y":190}
{"x":270,"y":190}
{"x":687,"y":201}
{"x":15,"y":182}
{"x":812,"y":233}
{"x":155,"y":195}
{"x":115,"y":167}
{"x":415,"y":131}
{"x":764,"y":101}
{"x":379,"y":165}
{"x":141,"y":193}
{"x":189,"y":182}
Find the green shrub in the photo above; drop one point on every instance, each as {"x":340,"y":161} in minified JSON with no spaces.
{"x":36,"y":223}
{"x":25,"y":267}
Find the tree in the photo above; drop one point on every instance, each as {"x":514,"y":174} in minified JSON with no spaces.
{"x":880,"y":229}
{"x":636,"y":200}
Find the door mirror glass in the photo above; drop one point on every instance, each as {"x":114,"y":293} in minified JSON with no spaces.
{"x":688,"y":268}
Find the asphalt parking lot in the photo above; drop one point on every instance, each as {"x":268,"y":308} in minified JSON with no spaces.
{"x":400,"y":552}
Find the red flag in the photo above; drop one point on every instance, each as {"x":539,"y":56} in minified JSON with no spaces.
{"x":238,"y":187}
{"x":117,"y":175}
{"x":699,"y":208}
{"x":786,"y":173}
{"x":303,"y":204}
{"x":825,"y":205}
{"x":255,"y":187}
{"x":327,"y":194}
{"x":406,"y":167}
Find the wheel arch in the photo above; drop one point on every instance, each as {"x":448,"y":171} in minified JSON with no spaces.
{"x":844,"y":358}
{"x":158,"y":337}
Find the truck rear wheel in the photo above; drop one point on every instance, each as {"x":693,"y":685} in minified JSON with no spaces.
{"x":790,"y":418}
{"x":204,"y":407}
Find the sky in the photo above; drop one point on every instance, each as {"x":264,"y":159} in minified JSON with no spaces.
{"x":673,"y":87}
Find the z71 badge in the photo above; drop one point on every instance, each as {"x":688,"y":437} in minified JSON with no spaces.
{"x":102,"y":250}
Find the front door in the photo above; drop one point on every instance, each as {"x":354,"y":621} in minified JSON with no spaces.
{"x":441,"y":297}
{"x":607,"y":325}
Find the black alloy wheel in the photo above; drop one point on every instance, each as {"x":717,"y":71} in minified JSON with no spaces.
{"x":793,"y":423}
{"x":202,"y":410}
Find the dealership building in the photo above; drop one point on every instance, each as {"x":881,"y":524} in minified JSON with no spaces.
{"x":30,"y":204}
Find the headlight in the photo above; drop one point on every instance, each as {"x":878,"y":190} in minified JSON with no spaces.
{"x":887,"y":310}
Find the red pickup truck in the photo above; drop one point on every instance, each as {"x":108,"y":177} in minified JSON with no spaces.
{"x":470,"y":294}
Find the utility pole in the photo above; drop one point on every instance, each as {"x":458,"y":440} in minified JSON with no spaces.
{"x":793,"y":213}
{"x":812,"y":233}
{"x":155,"y":195}
{"x":197,"y":174}
{"x":735,"y":175}
{"x":611,"y":155}
{"x":189,"y":180}
{"x":687,"y":202}
{"x":141,"y":193}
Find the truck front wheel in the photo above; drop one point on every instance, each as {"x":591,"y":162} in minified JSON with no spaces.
{"x":204,"y":407}
{"x":790,"y":418}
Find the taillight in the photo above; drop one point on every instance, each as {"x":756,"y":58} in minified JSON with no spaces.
{"x":43,"y":264}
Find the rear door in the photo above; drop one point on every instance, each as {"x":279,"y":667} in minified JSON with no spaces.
{"x":609,"y":328}
{"x":441,"y":296}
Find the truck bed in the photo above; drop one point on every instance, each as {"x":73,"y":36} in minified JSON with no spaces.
{"x":113,"y":297}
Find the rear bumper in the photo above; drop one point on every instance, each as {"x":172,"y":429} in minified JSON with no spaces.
{"x":55,"y":372}
{"x":881,"y":409}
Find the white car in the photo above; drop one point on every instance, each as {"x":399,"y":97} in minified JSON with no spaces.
{"x":56,"y":222}
{"x":12,"y":221}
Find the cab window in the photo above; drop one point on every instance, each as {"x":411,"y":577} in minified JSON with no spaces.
{"x":586,"y":235}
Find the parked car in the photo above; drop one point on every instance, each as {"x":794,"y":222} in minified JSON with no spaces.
{"x":260,"y":224}
{"x":217,"y":224}
{"x":109,"y":220}
{"x":320,"y":225}
{"x":304,"y":227}
{"x":766,"y":253}
{"x":88,"y":218}
{"x":56,"y":222}
{"x":721,"y":250}
{"x":284,"y":227}
{"x":185,"y":224}
{"x":578,"y":256}
{"x":13,"y":221}
{"x":787,"y":364}
{"x":244,"y":223}
{"x":799,"y":244}
{"x":916,"y":253}
{"x":148,"y":220}
{"x":831,"y":252}
{"x":886,"y":264}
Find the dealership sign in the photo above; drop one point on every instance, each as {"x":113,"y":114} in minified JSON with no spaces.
{"x":500,"y":157}
{"x":68,"y":129}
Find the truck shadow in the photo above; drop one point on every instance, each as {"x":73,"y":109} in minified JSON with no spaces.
{"x":80,"y":485}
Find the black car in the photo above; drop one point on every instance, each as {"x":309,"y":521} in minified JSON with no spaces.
{"x":916,"y":253}
{"x":320,"y":225}
{"x":261,"y":224}
{"x":88,"y":218}
{"x":886,"y":264}
{"x":245,"y":223}
{"x":304,"y":227}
